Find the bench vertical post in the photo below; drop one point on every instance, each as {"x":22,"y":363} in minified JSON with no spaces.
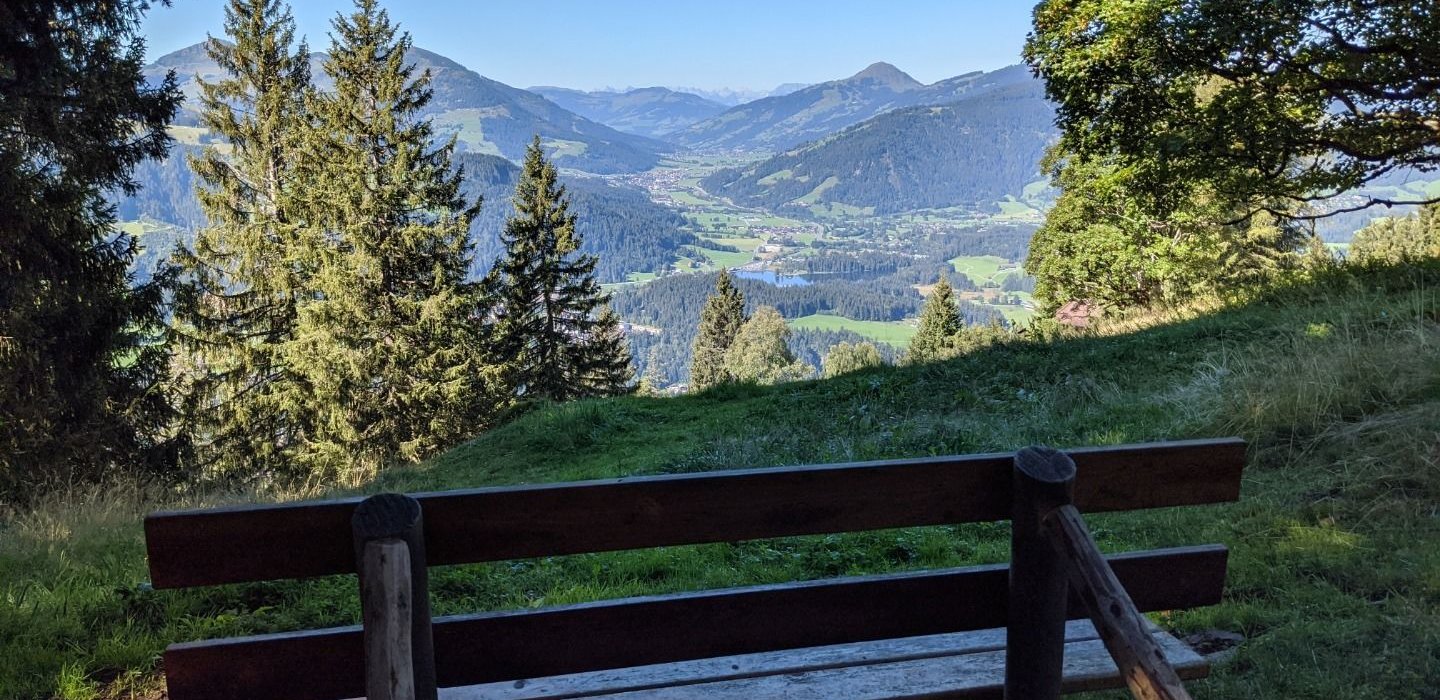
{"x":389,"y":539}
{"x":1043,"y":479}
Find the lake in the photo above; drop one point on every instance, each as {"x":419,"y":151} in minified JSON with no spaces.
{"x":772,"y":277}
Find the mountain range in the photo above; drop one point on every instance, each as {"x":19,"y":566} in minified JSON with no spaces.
{"x":652,"y":111}
{"x":785,"y":121}
{"x":486,"y":116}
{"x":972,"y":152}
{"x":731,"y":97}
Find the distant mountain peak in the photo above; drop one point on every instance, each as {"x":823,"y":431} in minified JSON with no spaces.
{"x":887,"y":74}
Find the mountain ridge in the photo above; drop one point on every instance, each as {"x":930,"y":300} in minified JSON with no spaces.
{"x":485,"y":115}
{"x":786,"y":121}
{"x":646,"y":111}
{"x":970,"y":153}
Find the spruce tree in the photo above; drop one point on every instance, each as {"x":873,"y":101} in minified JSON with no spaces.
{"x":390,"y":341}
{"x":546,"y":296}
{"x":939,"y":323}
{"x":79,"y":360}
{"x":248,"y":268}
{"x":606,"y":359}
{"x":720,"y":321}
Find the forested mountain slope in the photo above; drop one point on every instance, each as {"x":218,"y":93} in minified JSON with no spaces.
{"x":781,"y":122}
{"x":621,"y":224}
{"x":486,"y":116}
{"x":968,"y":153}
{"x":651,"y":111}
{"x":628,"y":231}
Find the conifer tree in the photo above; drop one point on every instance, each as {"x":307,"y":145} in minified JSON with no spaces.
{"x":720,"y":321}
{"x":390,"y":342}
{"x":79,"y":364}
{"x":606,"y":360}
{"x":654,"y":379}
{"x":546,"y":296}
{"x":939,"y":322}
{"x":248,"y":267}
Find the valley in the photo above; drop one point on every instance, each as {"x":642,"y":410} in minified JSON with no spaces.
{"x":809,"y":210}
{"x":830,"y":241}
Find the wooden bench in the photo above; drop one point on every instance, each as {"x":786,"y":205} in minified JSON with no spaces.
{"x":937,"y":633}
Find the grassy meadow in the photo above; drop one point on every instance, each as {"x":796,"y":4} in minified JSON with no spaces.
{"x":897,"y":333}
{"x":1335,"y":565}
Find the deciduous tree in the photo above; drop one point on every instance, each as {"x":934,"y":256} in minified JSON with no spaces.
{"x":845,"y":358}
{"x":761,"y":353}
{"x":1271,"y":105}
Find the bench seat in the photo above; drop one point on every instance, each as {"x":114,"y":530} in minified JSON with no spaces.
{"x":960,"y":665}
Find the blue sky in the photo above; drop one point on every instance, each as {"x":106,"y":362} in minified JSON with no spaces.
{"x":590,"y":44}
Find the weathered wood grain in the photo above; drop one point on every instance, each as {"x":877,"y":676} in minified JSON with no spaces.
{"x":507,"y":646}
{"x":231,"y":545}
{"x":385,"y":570}
{"x":1043,"y":479}
{"x":966,"y":665}
{"x":1142,"y":662}
{"x":398,"y":519}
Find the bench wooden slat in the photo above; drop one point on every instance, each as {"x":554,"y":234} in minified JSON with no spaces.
{"x":965,"y":664}
{"x":491,"y":647}
{"x":255,"y":543}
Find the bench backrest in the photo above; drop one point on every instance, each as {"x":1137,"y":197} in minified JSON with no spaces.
{"x":233,"y":545}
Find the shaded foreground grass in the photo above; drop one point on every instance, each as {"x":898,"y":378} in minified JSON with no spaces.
{"x":1335,"y":565}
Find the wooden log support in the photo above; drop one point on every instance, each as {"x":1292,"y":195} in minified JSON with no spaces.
{"x":389,"y":666}
{"x":1140,"y":659}
{"x":1043,"y":480}
{"x":389,"y":537}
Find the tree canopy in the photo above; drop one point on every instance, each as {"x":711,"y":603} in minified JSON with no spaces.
{"x":845,"y":358}
{"x":1271,"y":104}
{"x":552,"y":319}
{"x":720,"y":321}
{"x":80,"y":360}
{"x":939,"y":322}
{"x":761,"y":351}
{"x":250,"y":266}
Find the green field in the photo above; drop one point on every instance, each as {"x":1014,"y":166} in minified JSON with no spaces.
{"x":1011,"y":209}
{"x":982,"y":268}
{"x":839,"y":210}
{"x":723,"y":258}
{"x":895,"y":333}
{"x":469,"y":128}
{"x":775,"y":177}
{"x":560,"y":148}
{"x":683,"y":197}
{"x":1034,"y":189}
{"x":1018,"y":315}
